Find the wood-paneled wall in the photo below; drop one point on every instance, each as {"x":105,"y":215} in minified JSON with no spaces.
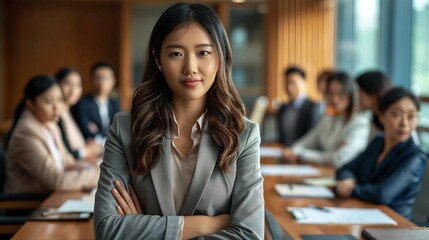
{"x":43,"y":36}
{"x":40,"y":36}
{"x":299,"y":32}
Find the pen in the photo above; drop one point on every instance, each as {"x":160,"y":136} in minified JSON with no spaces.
{"x":320,"y":208}
{"x":291,"y":187}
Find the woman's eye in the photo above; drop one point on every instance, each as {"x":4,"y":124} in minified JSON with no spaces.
{"x":204,"y":53}
{"x":176,"y":54}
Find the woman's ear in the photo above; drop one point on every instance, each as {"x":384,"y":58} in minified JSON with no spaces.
{"x":157,"y":61}
{"x":380,"y":116}
{"x":29,"y":104}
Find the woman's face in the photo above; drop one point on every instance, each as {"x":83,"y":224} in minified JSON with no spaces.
{"x":103,"y":80}
{"x":338,"y":98}
{"x":48,"y":105}
{"x":189,"y":62}
{"x":399,"y":120}
{"x":295,"y":85}
{"x":71,"y":87}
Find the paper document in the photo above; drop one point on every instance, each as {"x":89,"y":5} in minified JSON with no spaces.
{"x":85,"y":204}
{"x":332,"y":215}
{"x":288,"y":170}
{"x":298,"y":190}
{"x":271,"y":152}
{"x":325,"y":181}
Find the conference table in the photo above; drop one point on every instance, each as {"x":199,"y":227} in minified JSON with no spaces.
{"x":277,"y":206}
{"x":82,"y":229}
{"x":274,"y":203}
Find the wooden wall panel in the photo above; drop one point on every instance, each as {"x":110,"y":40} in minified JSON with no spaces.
{"x":43,"y":36}
{"x":306,"y":37}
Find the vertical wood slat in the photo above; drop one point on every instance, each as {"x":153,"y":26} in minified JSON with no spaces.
{"x":272,"y":37}
{"x":306,"y":38}
{"x":125,"y":58}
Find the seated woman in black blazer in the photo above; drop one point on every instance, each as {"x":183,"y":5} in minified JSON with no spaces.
{"x":391,"y":168}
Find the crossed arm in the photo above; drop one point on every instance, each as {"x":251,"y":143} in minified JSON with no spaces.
{"x":194,"y":226}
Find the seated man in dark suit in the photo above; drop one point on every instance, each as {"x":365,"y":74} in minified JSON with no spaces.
{"x":300,"y":114}
{"x":94,"y":112}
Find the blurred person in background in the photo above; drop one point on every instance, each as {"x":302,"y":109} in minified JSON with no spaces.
{"x":37,"y":160}
{"x":391,"y":168}
{"x":338,"y":137}
{"x":300,"y":114}
{"x":70,"y":82}
{"x":94,"y":112}
{"x":372,"y":85}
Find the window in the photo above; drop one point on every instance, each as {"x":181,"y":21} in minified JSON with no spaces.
{"x":247,"y":36}
{"x":358,"y":35}
{"x":420,"y":48}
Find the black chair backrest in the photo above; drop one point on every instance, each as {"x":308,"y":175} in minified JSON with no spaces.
{"x":2,"y":168}
{"x":421,"y":203}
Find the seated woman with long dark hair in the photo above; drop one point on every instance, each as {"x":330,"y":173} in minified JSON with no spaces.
{"x":37,"y":161}
{"x":391,"y":168}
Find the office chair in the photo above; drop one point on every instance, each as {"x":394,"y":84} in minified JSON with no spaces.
{"x":273,"y":230}
{"x":14,"y":207}
{"x":259,"y":110}
{"x":421,"y":203}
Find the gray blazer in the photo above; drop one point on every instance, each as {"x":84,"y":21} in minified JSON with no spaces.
{"x":211,"y":192}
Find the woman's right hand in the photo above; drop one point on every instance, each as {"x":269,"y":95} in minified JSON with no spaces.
{"x":200,"y":225}
{"x":93,"y":149}
{"x":289,"y":156}
{"x":128,"y":204}
{"x":345,"y":187}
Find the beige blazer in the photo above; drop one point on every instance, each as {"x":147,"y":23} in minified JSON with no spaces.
{"x":31,"y":167}
{"x":211,"y":192}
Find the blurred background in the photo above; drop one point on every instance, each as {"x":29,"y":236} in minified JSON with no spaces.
{"x":41,"y":36}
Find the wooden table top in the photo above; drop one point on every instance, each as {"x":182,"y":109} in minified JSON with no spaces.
{"x":57,"y":229}
{"x":277,"y":206}
{"x":273,"y":202}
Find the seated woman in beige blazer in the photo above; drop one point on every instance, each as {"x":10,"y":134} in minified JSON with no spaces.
{"x":37,"y":161}
{"x":186,"y":147}
{"x":70,"y":82}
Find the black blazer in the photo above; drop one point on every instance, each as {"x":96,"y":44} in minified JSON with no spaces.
{"x":86,"y":112}
{"x":307,"y":117}
{"x":394,"y":182}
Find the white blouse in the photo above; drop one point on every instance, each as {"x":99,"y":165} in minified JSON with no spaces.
{"x":334,"y":141}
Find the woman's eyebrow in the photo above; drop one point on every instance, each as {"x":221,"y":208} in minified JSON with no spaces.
{"x":196,"y":46}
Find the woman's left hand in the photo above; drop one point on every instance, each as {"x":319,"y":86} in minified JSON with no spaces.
{"x":127,"y":203}
{"x":345,"y":187}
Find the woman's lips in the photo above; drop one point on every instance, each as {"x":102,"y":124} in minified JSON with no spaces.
{"x":191,"y":83}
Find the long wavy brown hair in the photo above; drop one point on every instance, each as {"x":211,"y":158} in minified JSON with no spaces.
{"x":150,"y":111}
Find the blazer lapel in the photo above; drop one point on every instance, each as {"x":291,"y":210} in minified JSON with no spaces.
{"x":161,"y":178}
{"x":95,"y":112}
{"x":206,"y":162}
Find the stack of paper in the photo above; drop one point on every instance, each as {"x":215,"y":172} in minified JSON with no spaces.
{"x":288,"y":170}
{"x":325,"y":181}
{"x":297,"y":190}
{"x":271,"y":152}
{"x":85,"y":204}
{"x":332,"y":215}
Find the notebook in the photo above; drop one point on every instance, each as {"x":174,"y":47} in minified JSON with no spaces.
{"x":414,"y":233}
{"x":299,"y":190}
{"x":334,"y":215}
{"x":327,"y":237}
{"x":52,"y":214}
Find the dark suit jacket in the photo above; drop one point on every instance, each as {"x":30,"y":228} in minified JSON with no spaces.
{"x":86,"y":112}
{"x":307,"y":117}
{"x":211,"y":191}
{"x":394,"y":182}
